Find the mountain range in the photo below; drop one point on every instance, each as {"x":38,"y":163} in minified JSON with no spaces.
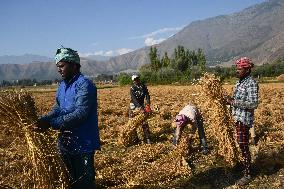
{"x":256,"y":32}
{"x":23,"y":59}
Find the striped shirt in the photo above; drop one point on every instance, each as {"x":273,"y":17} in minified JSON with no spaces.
{"x":245,"y":100}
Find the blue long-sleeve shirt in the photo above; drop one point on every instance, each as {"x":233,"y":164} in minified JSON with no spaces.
{"x":75,"y":116}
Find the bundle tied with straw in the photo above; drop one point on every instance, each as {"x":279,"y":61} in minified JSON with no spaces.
{"x":18,"y":111}
{"x":218,"y":116}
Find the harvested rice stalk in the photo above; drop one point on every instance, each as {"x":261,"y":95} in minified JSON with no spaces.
{"x":146,"y":164}
{"x":166,"y":168}
{"x":128,"y":131}
{"x":218,"y":117}
{"x":18,"y":111}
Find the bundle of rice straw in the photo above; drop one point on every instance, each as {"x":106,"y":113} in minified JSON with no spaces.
{"x":147,"y":164}
{"x":18,"y":111}
{"x":213,"y":105}
{"x":128,"y":131}
{"x":167,"y":168}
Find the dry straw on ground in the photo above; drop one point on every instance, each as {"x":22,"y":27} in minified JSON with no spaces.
{"x":280,"y":77}
{"x":148,"y":163}
{"x":117,"y":166}
{"x":18,"y":113}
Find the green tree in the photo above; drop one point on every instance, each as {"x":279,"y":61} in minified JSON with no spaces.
{"x":154,"y":60}
{"x":167,"y":75}
{"x":165,"y":60}
{"x":201,"y":60}
{"x":147,"y":74}
{"x":124,"y":79}
{"x":180,"y":59}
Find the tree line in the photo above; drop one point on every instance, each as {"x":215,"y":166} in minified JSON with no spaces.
{"x":26,"y":82}
{"x":273,"y":69}
{"x":184,"y":66}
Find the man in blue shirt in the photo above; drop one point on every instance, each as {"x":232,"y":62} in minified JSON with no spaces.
{"x":243,"y":103}
{"x":75,"y":116}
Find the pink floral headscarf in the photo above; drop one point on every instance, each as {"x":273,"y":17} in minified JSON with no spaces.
{"x":180,"y":120}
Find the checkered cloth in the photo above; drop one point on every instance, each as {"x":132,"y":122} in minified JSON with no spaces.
{"x":245,"y":100}
{"x":243,"y":140}
{"x":242,"y":133}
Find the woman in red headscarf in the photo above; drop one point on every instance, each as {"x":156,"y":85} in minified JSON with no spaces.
{"x":243,"y":103}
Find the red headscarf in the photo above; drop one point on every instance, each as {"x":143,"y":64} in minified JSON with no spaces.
{"x":244,"y":62}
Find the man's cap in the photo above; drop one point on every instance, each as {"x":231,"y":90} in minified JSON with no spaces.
{"x":134,"y":77}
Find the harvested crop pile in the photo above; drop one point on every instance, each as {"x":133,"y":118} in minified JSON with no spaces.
{"x":280,"y":77}
{"x":147,"y":164}
{"x":218,"y":117}
{"x":128,"y":132}
{"x":123,"y":167}
{"x":18,"y":115}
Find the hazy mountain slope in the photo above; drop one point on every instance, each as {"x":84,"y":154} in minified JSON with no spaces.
{"x":23,"y":59}
{"x":246,"y":33}
{"x":45,"y":70}
{"x":257,"y":32}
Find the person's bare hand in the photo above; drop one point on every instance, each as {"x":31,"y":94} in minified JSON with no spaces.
{"x":142,"y":110}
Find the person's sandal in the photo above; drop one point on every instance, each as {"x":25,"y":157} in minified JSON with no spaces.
{"x":244,"y":180}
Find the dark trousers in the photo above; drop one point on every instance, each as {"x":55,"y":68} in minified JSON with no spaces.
{"x":200,"y":128}
{"x":81,"y":170}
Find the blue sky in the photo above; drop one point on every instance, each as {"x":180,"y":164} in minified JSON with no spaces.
{"x":100,"y":27}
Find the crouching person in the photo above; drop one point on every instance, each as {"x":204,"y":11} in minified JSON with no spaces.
{"x":190,"y":115}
